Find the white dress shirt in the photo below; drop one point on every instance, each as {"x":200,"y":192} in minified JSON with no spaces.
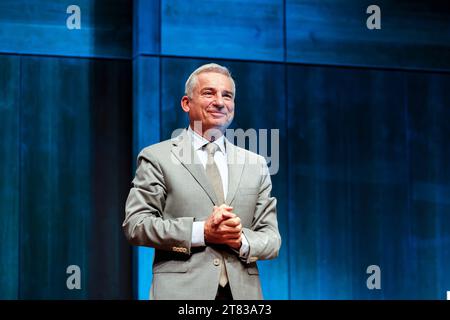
{"x":220,"y":157}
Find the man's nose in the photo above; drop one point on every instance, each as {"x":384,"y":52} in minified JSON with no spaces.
{"x":218,"y":101}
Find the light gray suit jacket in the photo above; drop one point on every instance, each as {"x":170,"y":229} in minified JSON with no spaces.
{"x":170,"y":191}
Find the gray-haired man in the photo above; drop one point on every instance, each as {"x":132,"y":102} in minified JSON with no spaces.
{"x":203,"y":203}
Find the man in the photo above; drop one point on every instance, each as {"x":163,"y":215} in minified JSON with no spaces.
{"x":203,"y":203}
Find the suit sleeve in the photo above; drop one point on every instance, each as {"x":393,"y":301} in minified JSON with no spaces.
{"x":144,"y":224}
{"x":263,"y":237}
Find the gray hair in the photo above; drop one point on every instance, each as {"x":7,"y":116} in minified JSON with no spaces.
{"x":210,"y":67}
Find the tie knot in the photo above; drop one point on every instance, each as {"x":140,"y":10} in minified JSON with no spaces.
{"x":211,"y":148}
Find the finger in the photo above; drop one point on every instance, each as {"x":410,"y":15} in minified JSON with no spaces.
{"x":232,"y":222}
{"x":227,"y":215}
{"x":217,"y":218}
{"x":216,"y":221}
{"x":226,"y":207}
{"x":229,"y":230}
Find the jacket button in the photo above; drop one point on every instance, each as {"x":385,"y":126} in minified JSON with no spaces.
{"x":216,"y":262}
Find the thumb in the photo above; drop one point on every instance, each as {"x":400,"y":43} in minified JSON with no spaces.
{"x":228,"y":214}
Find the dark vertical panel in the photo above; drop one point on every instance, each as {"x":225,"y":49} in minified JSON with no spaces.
{"x":111,"y":146}
{"x":39,"y":27}
{"x":146,"y":131}
{"x":348,"y":182}
{"x":9,"y":176}
{"x":253,"y":111}
{"x":413,"y":34}
{"x":56,"y":188}
{"x":146,"y":27}
{"x":429,"y":132}
{"x":174,"y":73}
{"x":76,"y":142}
{"x":146,"y":113}
{"x":223,"y":29}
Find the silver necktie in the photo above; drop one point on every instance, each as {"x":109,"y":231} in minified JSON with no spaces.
{"x":213,"y":174}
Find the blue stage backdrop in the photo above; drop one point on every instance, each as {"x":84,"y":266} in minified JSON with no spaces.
{"x":364,"y":174}
{"x":66,"y":144}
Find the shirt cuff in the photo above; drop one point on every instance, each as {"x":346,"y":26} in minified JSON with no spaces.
{"x":198,"y":234}
{"x":243,"y":251}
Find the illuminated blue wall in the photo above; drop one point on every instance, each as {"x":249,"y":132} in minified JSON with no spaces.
{"x":65,"y":149}
{"x":364,"y":132}
{"x":363,"y":123}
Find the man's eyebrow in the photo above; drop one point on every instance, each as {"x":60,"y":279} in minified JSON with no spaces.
{"x":230,"y":92}
{"x":208,"y":88}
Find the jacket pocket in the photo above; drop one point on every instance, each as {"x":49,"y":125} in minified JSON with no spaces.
{"x":252,"y":270}
{"x":171,"y":266}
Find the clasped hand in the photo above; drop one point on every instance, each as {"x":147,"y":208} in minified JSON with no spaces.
{"x":223,"y":227}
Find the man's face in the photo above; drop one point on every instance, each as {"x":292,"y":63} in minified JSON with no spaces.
{"x":212,"y":101}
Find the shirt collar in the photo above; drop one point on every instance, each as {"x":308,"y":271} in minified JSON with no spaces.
{"x":198,"y":141}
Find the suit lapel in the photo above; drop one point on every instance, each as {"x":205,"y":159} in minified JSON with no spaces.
{"x":236,"y":161}
{"x":182,"y":149}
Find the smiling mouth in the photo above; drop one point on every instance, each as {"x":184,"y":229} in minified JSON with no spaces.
{"x":217,"y":113}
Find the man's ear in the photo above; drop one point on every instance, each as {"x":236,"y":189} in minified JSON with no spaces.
{"x":185,"y":104}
